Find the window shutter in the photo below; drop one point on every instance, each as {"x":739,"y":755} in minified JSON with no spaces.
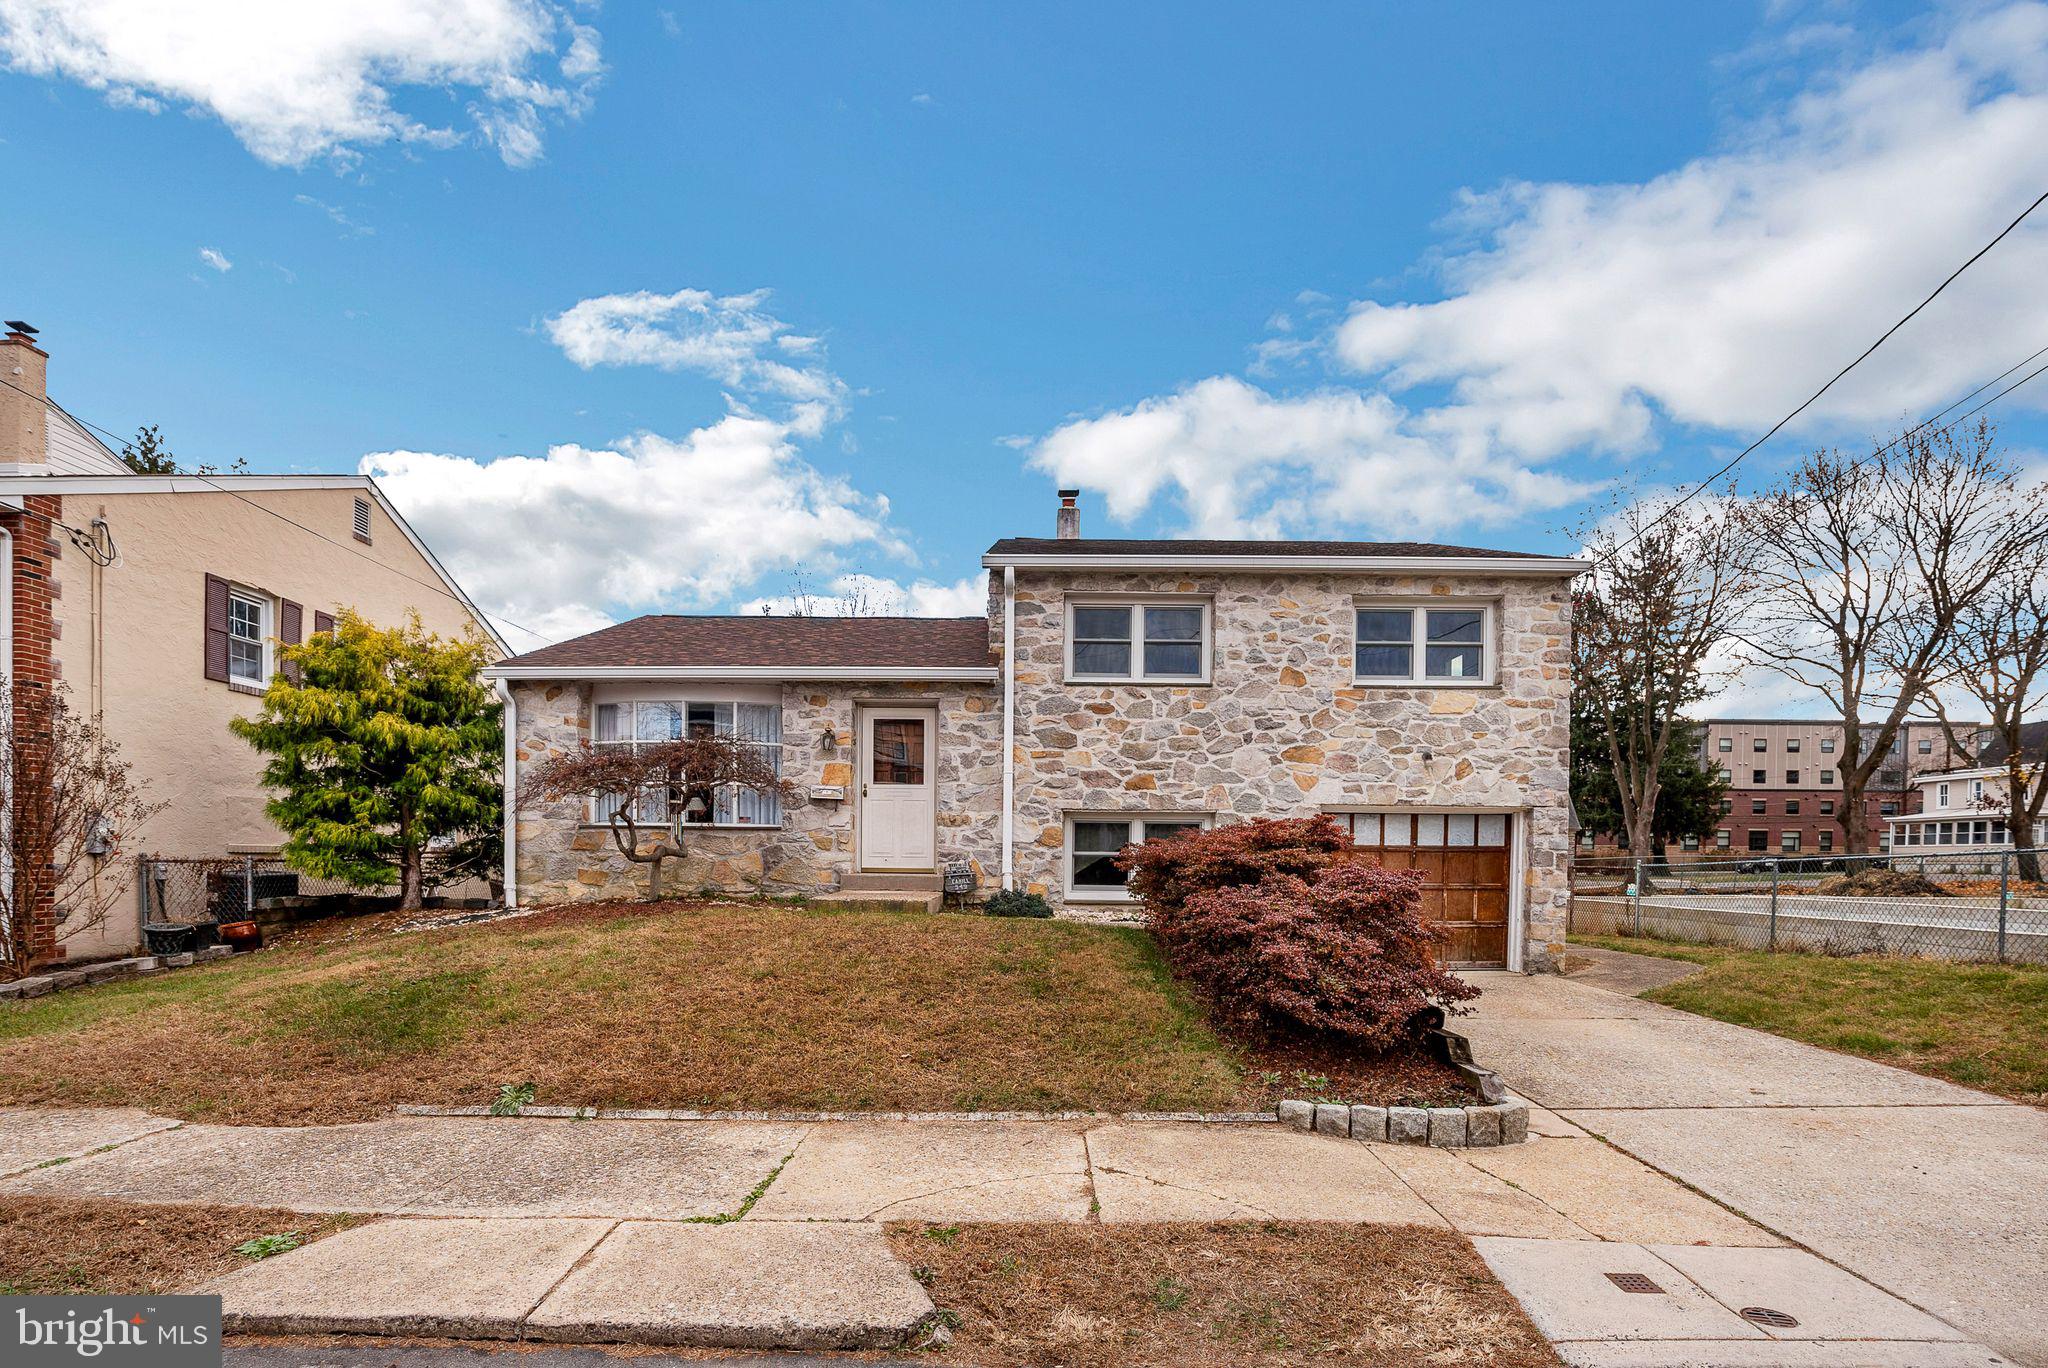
{"x":216,"y":628}
{"x":322,"y":622}
{"x":290,"y":620}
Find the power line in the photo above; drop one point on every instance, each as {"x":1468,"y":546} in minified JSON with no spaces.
{"x":236,"y":494}
{"x":1860,"y":359}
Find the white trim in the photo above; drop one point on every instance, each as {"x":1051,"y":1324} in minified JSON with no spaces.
{"x":16,"y":485}
{"x":1206,"y":820}
{"x":1418,"y":642}
{"x":1135,"y":606}
{"x":1009,"y":726}
{"x":977,"y":674}
{"x":266,"y":631}
{"x":1521,"y":821}
{"x":1448,"y":565}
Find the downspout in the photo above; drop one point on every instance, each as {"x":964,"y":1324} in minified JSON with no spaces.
{"x":1009,"y":721}
{"x":511,"y":720}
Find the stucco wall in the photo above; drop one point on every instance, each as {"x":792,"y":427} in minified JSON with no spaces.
{"x":131,"y":637}
{"x":1282,"y":729}
{"x":563,"y":858}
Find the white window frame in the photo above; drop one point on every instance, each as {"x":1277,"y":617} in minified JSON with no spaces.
{"x":1418,"y":642}
{"x":1941,"y":796}
{"x":651,"y":806}
{"x":1136,"y":605}
{"x":1137,"y":821}
{"x":266,"y":628}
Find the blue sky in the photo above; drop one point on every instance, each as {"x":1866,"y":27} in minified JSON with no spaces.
{"x":638,"y":308}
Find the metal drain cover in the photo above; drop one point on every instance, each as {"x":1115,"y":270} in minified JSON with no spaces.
{"x":1639,"y":1282}
{"x":1768,"y":1315}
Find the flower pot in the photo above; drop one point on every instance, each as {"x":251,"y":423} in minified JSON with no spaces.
{"x":169,"y":938}
{"x":241,"y":935}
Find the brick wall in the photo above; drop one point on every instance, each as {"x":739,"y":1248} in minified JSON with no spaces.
{"x":34,"y":669}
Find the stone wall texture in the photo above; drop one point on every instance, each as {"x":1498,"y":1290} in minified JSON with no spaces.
{"x":1280,"y":729}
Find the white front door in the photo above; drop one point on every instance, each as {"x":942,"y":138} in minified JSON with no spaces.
{"x":896,"y":823}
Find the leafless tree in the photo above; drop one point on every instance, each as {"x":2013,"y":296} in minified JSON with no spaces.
{"x":1866,"y":567}
{"x":69,"y":801}
{"x":1651,"y":627}
{"x":685,"y":774}
{"x":858,"y":597}
{"x":1999,"y":662}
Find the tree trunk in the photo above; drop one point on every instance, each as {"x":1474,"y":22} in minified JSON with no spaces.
{"x":654,"y":879}
{"x":411,"y":880}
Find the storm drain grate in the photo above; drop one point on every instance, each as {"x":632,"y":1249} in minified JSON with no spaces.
{"x":1768,"y":1315}
{"x":1635,"y":1282}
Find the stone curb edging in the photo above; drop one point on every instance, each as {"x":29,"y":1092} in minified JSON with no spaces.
{"x":1478,"y":1126}
{"x":57,"y":980}
{"x":678,"y":1114}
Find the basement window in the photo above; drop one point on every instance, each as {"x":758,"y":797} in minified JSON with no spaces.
{"x":1094,"y":842}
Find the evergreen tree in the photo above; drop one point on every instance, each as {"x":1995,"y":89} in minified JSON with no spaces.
{"x":381,"y":740}
{"x":1689,"y":789}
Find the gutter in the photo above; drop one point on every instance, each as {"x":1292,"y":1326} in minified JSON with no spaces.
{"x":511,"y":798}
{"x":1545,"y":566}
{"x":970,"y":674}
{"x":1009,"y":723}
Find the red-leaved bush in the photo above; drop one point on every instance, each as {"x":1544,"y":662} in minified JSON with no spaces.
{"x":1283,"y":938}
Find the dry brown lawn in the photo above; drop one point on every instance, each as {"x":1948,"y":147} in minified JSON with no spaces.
{"x":62,"y":1246}
{"x":667,"y":1005}
{"x":1253,"y":1295}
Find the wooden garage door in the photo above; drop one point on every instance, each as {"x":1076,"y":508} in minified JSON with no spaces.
{"x":1464,"y":860}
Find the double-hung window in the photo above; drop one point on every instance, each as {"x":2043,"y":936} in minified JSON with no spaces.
{"x":248,"y":630}
{"x":1423,"y":644}
{"x":1094,"y":842}
{"x":1165,"y":642}
{"x":650,"y":721}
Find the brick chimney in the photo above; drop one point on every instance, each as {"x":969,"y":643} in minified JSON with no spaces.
{"x":1068,"y":527}
{"x":24,"y":422}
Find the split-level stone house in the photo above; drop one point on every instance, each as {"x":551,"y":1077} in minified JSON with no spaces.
{"x":1115,"y":691}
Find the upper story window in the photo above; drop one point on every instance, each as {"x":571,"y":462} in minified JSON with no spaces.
{"x":1163,"y":642}
{"x":1417,"y":644}
{"x":1827,"y":776}
{"x":362,"y":522}
{"x":1759,"y":776}
{"x":1727,"y":743}
{"x":1827,"y":745}
{"x":1791,"y":743}
{"x":1976,"y":790}
{"x":1941,"y":795}
{"x":248,"y":633}
{"x":1791,"y":776}
{"x":1926,"y":745}
{"x":625,"y":724}
{"x":1760,"y":744}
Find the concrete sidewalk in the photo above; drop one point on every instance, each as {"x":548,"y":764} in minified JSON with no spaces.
{"x":1935,"y":1193}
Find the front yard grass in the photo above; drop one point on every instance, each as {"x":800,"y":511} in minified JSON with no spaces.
{"x":1983,"y":1026}
{"x":62,"y":1246}
{"x":670,"y":1005}
{"x":1257,"y":1295}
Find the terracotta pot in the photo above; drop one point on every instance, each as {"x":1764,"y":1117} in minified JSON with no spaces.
{"x":243,"y":935}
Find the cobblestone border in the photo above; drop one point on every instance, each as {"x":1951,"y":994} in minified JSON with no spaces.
{"x":57,"y":980}
{"x":1472,"y":1127}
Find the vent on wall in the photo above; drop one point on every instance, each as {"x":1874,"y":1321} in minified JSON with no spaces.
{"x":362,"y":520}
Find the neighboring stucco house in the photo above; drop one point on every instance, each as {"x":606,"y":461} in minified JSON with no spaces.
{"x":158,"y":602}
{"x":1114,"y":691}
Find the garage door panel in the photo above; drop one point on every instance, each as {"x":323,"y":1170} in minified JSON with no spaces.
{"x":1465,"y":866}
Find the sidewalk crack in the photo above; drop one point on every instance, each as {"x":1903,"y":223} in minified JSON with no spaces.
{"x":567,"y":1273}
{"x":1200,"y":1192}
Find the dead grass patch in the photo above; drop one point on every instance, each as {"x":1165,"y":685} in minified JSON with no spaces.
{"x":1255,"y":1295}
{"x":64,"y":1246}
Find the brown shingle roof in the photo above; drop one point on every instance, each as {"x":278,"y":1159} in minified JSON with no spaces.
{"x":662,"y":639}
{"x":1104,"y":546}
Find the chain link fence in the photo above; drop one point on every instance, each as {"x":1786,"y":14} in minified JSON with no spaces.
{"x":1961,"y":905}
{"x":196,"y":895}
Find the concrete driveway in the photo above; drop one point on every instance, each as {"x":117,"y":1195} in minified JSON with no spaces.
{"x":1936,"y":1193}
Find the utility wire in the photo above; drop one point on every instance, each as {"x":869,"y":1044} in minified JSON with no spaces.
{"x":1860,"y":359}
{"x":236,"y":494}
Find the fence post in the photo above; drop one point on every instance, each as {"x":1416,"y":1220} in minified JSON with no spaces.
{"x":2004,"y":899}
{"x":1635,"y":889}
{"x":249,"y":884}
{"x":1774,"y":905}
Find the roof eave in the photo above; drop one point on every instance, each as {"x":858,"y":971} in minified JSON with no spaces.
{"x":1547,"y":566}
{"x":974,"y":674}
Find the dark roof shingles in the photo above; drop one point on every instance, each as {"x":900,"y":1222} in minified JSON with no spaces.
{"x":811,"y":642}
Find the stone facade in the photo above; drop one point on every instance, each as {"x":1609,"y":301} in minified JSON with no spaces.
{"x":564,"y":858}
{"x":1279,"y":729}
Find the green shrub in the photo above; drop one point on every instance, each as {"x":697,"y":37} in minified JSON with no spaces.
{"x":1012,"y":902}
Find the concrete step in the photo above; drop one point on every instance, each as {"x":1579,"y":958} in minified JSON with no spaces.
{"x":890,"y":883}
{"x":881,"y":901}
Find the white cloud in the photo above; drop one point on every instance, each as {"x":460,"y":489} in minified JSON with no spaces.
{"x":730,"y":338}
{"x":870,"y":595}
{"x":212,"y":257}
{"x":568,"y":540}
{"x":1722,"y":293}
{"x":316,"y":78}
{"x":349,"y":227}
{"x":1242,"y":462}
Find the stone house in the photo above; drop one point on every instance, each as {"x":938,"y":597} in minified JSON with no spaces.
{"x":1115,"y":691}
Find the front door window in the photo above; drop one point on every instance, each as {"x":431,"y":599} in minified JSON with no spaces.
{"x":899,"y":750}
